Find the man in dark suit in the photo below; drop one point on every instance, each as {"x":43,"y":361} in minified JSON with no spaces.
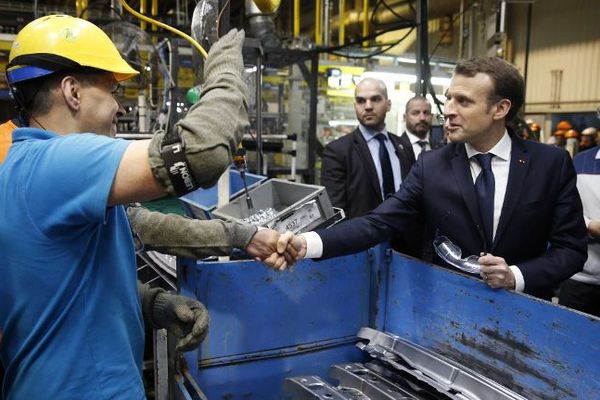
{"x":354,"y":167}
{"x":416,"y":137}
{"x":510,"y":201}
{"x":351,"y":168}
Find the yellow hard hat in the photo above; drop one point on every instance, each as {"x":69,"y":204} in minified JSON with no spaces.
{"x":61,"y":42}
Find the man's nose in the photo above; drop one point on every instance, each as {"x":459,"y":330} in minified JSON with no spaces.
{"x":449,"y":109}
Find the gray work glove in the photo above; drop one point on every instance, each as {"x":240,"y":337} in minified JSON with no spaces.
{"x":185,"y":237}
{"x":213,"y":126}
{"x":183,"y":317}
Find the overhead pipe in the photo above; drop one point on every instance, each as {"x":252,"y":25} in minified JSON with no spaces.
{"x":342,"y":30}
{"x":461,"y":29}
{"x":437,"y":9}
{"x":297,"y":18}
{"x":154,"y":11}
{"x":81,"y":8}
{"x":365,"y":20}
{"x":325,"y":25}
{"x":318,"y":22}
{"x":143,"y":6}
{"x":84,"y":9}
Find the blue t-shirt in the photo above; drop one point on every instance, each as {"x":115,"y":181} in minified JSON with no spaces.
{"x":69,"y":308}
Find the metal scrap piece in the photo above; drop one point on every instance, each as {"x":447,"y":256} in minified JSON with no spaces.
{"x":374,"y":386}
{"x":456,"y":381}
{"x":315,"y":388}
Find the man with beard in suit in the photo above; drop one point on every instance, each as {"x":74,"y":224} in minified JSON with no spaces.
{"x":361,"y":169}
{"x":417,"y":136}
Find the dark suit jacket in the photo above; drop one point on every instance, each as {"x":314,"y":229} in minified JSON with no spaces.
{"x":405,"y":142}
{"x":541,"y":227}
{"x":349,"y":175}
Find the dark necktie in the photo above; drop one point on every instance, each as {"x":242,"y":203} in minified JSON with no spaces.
{"x":386,"y":166}
{"x":484,"y":186}
{"x":423,"y":144}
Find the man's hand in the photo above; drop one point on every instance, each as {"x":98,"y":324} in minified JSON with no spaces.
{"x":594,"y":228}
{"x":265,"y":246}
{"x":495,"y":272}
{"x":294,"y":246}
{"x":185,"y":318}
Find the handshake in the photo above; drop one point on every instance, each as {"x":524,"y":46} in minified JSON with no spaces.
{"x":275,"y":250}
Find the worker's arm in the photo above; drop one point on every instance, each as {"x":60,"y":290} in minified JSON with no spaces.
{"x":183,"y":317}
{"x":210,"y":131}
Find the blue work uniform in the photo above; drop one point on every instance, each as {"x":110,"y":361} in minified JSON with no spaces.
{"x":70,"y":315}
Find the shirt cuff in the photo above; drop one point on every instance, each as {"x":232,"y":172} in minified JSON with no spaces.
{"x":314,"y":245}
{"x":587,"y":221}
{"x":519,"y":281}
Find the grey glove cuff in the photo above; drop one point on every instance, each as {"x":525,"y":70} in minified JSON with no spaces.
{"x":148,"y":296}
{"x":206,"y":161}
{"x":242,"y":234}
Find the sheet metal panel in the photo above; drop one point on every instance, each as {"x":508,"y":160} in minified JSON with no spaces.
{"x":533,"y":347}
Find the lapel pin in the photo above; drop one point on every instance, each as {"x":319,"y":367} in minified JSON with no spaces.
{"x":522,"y":161}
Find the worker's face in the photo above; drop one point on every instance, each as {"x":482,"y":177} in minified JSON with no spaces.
{"x":99,"y":106}
{"x":418,"y":117}
{"x":468,"y":115}
{"x":586,"y":142}
{"x":371,"y":104}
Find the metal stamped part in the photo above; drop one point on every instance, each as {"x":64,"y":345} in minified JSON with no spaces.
{"x":457,"y":381}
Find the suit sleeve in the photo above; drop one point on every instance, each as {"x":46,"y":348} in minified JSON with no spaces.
{"x":333,"y":176}
{"x":567,"y":244}
{"x":393,"y":216}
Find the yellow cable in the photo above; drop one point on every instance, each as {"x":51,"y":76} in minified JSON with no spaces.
{"x":167,"y":27}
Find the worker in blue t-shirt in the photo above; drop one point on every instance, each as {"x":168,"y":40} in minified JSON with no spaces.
{"x":71,"y":318}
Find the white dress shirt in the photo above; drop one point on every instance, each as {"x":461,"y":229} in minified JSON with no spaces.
{"x":500,"y":168}
{"x":414,"y":141}
{"x":373,"y":144}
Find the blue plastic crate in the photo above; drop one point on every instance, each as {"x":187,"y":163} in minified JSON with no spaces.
{"x":200,"y":203}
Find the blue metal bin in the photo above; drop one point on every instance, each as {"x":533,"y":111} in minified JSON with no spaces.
{"x":268,"y":326}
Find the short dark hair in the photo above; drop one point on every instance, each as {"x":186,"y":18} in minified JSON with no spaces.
{"x":415,"y":98}
{"x":34,"y":95}
{"x":508,"y":82}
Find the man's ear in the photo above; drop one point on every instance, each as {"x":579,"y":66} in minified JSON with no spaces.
{"x":501,"y":109}
{"x":71,"y":91}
